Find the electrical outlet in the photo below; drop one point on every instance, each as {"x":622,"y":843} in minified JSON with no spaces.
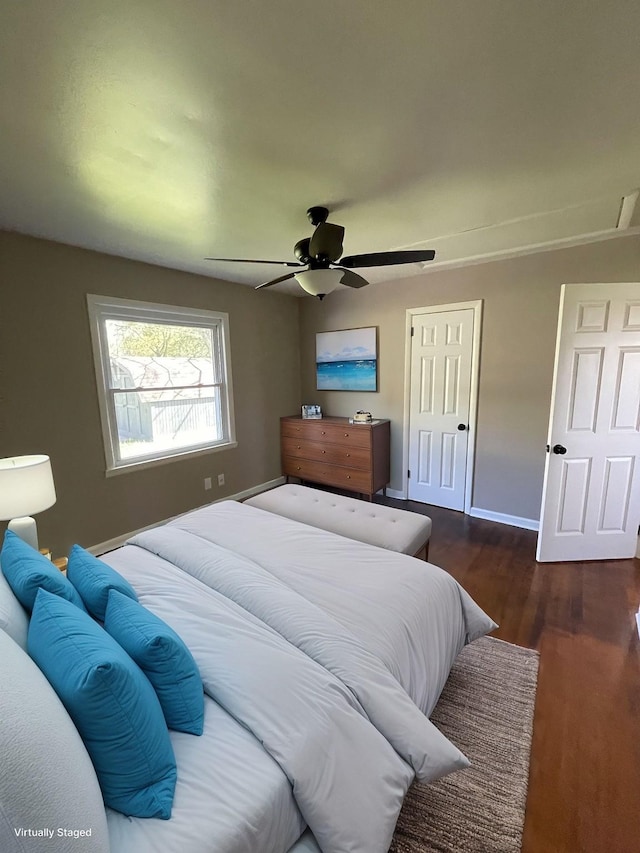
{"x":221,"y":479}
{"x":207,"y":483}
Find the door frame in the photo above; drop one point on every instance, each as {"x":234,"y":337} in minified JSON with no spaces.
{"x":476,"y":305}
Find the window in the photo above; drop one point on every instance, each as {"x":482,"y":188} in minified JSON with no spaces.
{"x":164,"y":380}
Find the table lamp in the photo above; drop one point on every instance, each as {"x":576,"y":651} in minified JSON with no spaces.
{"x":26,"y":487}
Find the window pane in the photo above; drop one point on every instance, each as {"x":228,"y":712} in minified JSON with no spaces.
{"x":151,"y":422}
{"x":158,"y":355}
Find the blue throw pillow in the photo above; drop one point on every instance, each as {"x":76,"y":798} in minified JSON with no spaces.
{"x":164,"y":659}
{"x":26,"y":570}
{"x":111,"y":702}
{"x":93,"y":579}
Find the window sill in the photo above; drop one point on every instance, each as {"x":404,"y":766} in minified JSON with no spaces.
{"x":164,"y":460}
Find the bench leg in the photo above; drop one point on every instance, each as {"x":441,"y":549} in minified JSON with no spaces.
{"x":423,"y":553}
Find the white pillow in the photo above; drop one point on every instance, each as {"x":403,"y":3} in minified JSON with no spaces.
{"x":13,"y":616}
{"x":47,"y":780}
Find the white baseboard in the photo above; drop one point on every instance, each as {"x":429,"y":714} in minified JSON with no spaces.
{"x":476,"y":512}
{"x":396,"y":493}
{"x":117,"y":541}
{"x":503,"y":518}
{"x":254,"y":490}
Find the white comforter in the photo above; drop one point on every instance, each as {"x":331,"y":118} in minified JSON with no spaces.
{"x":304,"y":640}
{"x":412,"y":615}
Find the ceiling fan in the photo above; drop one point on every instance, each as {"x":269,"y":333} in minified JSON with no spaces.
{"x":321,"y":255}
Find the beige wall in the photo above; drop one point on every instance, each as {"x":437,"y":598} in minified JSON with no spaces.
{"x":521,"y":299}
{"x":48,"y":401}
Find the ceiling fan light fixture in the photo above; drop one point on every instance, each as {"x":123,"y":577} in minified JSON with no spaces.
{"x":319,"y":282}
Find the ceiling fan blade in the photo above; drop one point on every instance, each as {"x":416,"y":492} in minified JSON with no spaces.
{"x":326,"y":241}
{"x":383,"y":259}
{"x":351,"y":279}
{"x":247,"y":261}
{"x":275,"y":280}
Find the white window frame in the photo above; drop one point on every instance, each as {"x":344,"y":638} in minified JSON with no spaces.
{"x":103,"y":308}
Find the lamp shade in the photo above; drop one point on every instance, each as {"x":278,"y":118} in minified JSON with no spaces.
{"x":319,"y":282}
{"x":26,"y":486}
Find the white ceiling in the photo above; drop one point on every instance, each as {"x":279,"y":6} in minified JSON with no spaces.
{"x":168,"y":130}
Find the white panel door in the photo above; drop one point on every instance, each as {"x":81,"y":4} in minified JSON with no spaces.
{"x":591,"y":493}
{"x":441,"y":356}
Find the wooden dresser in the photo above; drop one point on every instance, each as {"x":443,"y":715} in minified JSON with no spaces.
{"x":336,"y":453}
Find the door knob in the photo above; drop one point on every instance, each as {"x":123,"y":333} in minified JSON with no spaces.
{"x":559,"y":449}
{"x":462,"y":427}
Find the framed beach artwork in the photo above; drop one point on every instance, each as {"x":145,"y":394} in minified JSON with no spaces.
{"x":347,"y":360}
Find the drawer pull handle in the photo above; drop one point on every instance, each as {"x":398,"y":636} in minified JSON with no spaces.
{"x":348,"y":476}
{"x":348,"y":454}
{"x":298,"y":468}
{"x":346,"y":435}
{"x":323,"y":432}
{"x":324,"y":451}
{"x":298,"y":447}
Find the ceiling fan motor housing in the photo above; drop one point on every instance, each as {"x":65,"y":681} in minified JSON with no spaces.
{"x":317,"y":215}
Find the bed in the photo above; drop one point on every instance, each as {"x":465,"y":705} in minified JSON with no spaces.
{"x":321,"y":659}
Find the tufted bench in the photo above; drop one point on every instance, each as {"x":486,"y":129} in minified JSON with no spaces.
{"x":393,"y":529}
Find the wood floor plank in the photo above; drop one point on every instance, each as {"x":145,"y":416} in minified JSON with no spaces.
{"x":585,"y":761}
{"x":584,"y":787}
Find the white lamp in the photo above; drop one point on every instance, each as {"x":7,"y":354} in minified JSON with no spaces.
{"x":26,"y":487}
{"x":319,"y":282}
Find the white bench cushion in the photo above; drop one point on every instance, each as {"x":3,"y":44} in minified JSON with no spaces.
{"x":393,"y":529}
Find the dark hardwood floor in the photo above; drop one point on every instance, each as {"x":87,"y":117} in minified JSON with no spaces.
{"x":584,"y":781}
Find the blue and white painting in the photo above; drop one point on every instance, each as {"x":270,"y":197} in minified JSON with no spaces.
{"x":347,"y":360}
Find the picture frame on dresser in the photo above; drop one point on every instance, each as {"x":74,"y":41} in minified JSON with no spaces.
{"x":311,"y":412}
{"x":347,"y":360}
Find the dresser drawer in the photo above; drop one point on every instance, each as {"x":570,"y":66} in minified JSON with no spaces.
{"x":351,"y":457}
{"x":318,"y":431}
{"x":332,"y":475}
{"x":294,"y":429}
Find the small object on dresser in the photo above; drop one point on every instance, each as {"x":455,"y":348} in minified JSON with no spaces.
{"x":311,"y":412}
{"x":361,"y":418}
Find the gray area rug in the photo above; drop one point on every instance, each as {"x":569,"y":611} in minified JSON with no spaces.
{"x":486,"y":709}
